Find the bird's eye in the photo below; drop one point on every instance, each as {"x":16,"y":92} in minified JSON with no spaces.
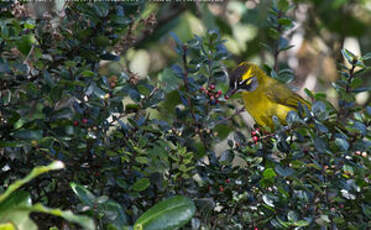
{"x":249,"y":84}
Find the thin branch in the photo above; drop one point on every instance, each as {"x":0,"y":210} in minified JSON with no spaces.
{"x":351,"y":76}
{"x":237,"y":112}
{"x":161,"y":22}
{"x":29,"y":54}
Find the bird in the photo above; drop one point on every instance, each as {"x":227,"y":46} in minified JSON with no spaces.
{"x":263,"y":96}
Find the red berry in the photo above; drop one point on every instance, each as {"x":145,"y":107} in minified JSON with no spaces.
{"x":219,"y":92}
{"x":212,"y":86}
{"x":211,"y":97}
{"x":226,"y":97}
{"x":85,"y":120}
{"x":255,"y":138}
{"x":341,"y":205}
{"x":202,"y":89}
{"x":227,"y":180}
{"x":221,"y":189}
{"x":75,"y":123}
{"x":257,"y":129}
{"x":256,"y":228}
{"x":253,"y":133}
{"x":206,"y":91}
{"x":216,"y":101}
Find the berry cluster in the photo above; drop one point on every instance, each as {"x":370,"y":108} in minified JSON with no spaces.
{"x":212,"y":94}
{"x":83,"y":120}
{"x":255,"y":135}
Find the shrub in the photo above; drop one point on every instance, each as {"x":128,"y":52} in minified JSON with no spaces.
{"x":129,"y":143}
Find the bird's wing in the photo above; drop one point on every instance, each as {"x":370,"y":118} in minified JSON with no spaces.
{"x":281,"y":94}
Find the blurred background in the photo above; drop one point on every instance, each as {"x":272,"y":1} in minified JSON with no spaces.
{"x":320,"y":30}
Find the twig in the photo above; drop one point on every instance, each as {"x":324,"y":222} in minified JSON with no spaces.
{"x":237,"y":112}
{"x":162,"y":21}
{"x":29,"y":54}
{"x":351,"y":76}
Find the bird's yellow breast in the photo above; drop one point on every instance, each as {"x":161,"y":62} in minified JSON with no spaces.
{"x":263,"y":109}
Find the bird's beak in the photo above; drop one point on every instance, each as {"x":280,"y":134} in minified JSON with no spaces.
{"x":230,"y":92}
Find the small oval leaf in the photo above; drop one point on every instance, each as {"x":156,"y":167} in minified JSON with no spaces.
{"x":141,"y":184}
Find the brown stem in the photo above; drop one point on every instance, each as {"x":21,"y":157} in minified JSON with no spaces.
{"x":237,"y":112}
{"x":351,"y":76}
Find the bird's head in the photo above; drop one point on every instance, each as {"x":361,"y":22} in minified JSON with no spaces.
{"x":244,"y":78}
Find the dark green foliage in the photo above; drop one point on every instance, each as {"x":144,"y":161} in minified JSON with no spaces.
{"x":131,"y":143}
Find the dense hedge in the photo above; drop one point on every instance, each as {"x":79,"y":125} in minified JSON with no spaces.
{"x":128,"y":143}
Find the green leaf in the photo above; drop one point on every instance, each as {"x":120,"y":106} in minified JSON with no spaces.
{"x":142,"y":160}
{"x":308,"y":93}
{"x":292,"y":117}
{"x":24,"y":44}
{"x":17,"y":198}
{"x":115,"y":214}
{"x":20,"y":216}
{"x":342,"y":144}
{"x":48,"y":79}
{"x":366,"y":209}
{"x":268,"y":200}
{"x":16,"y":206}
{"x":141,"y":184}
{"x":285,"y":21}
{"x":29,"y":134}
{"x":292,"y":216}
{"x":172,"y":213}
{"x":34,"y":173}
{"x":349,"y":56}
{"x":98,"y":92}
{"x":320,"y":145}
{"x":83,"y":194}
{"x":366,"y":57}
{"x":284,"y":171}
{"x":169,"y":79}
{"x":301,"y":223}
{"x":269,"y":173}
{"x":323,"y":220}
{"x":319,"y":110}
{"x":283,"y":5}
{"x":88,"y":73}
{"x":101,"y":9}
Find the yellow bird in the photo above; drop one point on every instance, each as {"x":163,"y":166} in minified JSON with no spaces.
{"x":264,"y":96}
